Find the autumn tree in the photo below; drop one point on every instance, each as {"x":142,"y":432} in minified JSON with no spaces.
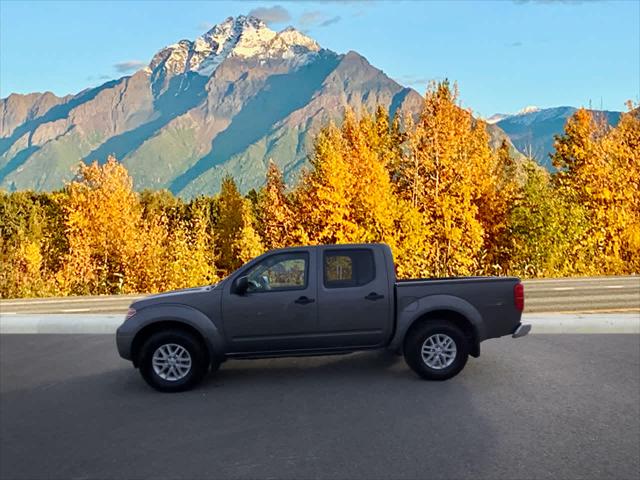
{"x":598,"y":169}
{"x":501,"y":188}
{"x":388,"y":137}
{"x":544,"y":229}
{"x":102,"y":216}
{"x":622,"y":145}
{"x":347,"y":196}
{"x":190,"y":259}
{"x":21,"y":259}
{"x":445,"y":175}
{"x":153,"y":258}
{"x":157,"y":203}
{"x":236,"y":238}
{"x":277,"y":223}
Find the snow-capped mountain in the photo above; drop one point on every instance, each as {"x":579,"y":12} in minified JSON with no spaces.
{"x":245,"y":37}
{"x":223,"y":103}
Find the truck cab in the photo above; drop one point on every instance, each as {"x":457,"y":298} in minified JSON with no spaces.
{"x":310,"y":298}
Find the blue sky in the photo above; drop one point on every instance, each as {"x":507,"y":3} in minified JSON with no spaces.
{"x":504,"y":54}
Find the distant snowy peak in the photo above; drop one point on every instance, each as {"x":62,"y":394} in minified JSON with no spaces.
{"x":247,"y":37}
{"x":497,"y":117}
{"x":528,"y":109}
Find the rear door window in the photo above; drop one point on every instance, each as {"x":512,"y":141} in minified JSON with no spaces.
{"x":348,"y":268}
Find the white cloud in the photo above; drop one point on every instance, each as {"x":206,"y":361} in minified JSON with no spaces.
{"x":317,"y":19}
{"x":275,"y":14}
{"x":413,"y":80}
{"x":91,"y":78}
{"x":129,"y":66}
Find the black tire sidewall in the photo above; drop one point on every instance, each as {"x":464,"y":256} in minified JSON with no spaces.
{"x":187,"y":341}
{"x":413,"y":350}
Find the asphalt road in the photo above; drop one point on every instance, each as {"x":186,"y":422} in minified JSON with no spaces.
{"x":545,"y":406}
{"x":573,"y":295}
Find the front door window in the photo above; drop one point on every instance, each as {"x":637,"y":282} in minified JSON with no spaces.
{"x":287,"y":271}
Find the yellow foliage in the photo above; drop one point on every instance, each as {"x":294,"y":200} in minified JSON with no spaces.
{"x":277,"y":223}
{"x":429,"y":187}
{"x":446,"y":176}
{"x":102,"y":222}
{"x":113,"y":249}
{"x":20,"y":272}
{"x":348,"y":196}
{"x":600,"y":170}
{"x":236,"y":237}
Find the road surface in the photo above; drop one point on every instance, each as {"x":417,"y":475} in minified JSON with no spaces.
{"x":545,"y":406}
{"x":583,"y":295}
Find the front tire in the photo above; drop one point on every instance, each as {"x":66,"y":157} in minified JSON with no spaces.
{"x":436,"y":350}
{"x":173,"y":361}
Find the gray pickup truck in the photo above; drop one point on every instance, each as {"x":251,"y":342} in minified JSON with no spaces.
{"x":320,"y":300}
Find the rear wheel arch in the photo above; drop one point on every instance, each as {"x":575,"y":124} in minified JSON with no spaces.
{"x":456,"y":318}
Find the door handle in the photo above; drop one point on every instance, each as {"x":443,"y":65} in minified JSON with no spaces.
{"x":304,"y":300}
{"x":374,"y":296}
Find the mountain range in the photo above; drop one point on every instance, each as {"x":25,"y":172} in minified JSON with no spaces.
{"x":532,"y":129}
{"x":224,"y":103}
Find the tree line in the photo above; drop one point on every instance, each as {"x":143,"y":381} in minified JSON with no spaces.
{"x":432,"y":188}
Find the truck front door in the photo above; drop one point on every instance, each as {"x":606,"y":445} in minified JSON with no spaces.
{"x":279,"y":310}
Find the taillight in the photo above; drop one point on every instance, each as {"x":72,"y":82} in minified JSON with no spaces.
{"x":518,"y":296}
{"x":130,"y":313}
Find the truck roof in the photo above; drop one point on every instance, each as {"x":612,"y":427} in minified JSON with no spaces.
{"x":331,"y":245}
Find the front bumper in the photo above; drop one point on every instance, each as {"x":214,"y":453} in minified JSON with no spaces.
{"x":521,"y":330}
{"x":124,"y":339}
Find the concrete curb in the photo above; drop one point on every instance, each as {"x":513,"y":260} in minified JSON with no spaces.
{"x":107,"y":324}
{"x":60,"y":323}
{"x":583,"y":322}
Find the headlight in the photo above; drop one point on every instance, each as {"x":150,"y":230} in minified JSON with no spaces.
{"x":130,"y":313}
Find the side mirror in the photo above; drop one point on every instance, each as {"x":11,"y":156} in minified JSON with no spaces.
{"x":241,"y":285}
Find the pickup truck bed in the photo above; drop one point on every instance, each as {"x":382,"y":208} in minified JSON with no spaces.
{"x":491,"y":297}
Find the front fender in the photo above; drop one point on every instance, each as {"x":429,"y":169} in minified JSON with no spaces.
{"x":184,"y":314}
{"x":415,"y":310}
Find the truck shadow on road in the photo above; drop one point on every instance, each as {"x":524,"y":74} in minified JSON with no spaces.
{"x":292,"y":417}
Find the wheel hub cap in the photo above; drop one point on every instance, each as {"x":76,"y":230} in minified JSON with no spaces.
{"x":171,"y":362}
{"x":438,"y":351}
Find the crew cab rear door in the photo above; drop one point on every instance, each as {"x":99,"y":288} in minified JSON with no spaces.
{"x":354,"y":301}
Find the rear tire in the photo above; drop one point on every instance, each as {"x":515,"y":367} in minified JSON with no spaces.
{"x":436,"y":350}
{"x":173,"y":361}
